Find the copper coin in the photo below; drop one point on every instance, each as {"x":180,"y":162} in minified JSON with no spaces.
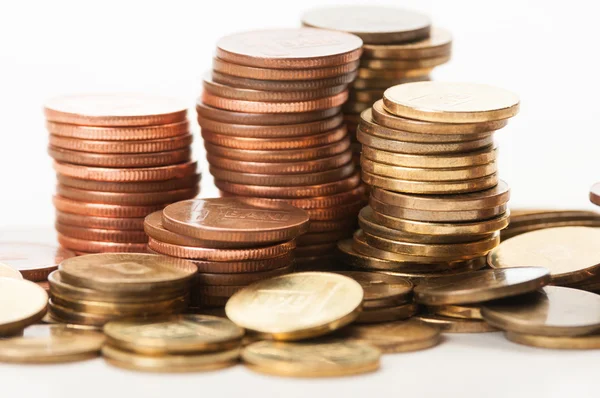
{"x":90,"y":246}
{"x":284,"y":155}
{"x":283,"y":85}
{"x":419,"y":63}
{"x":142,"y":146}
{"x":127,"y":199}
{"x":391,"y":74}
{"x":246,"y":266}
{"x":231,"y":220}
{"x":289,"y":48}
{"x":320,"y":202}
{"x":148,"y":186}
{"x":280,"y":131}
{"x":35,"y":261}
{"x":119,"y":160}
{"x":241,"y":279}
{"x":310,"y":166}
{"x":103,"y":210}
{"x":376,"y":83}
{"x":354,"y":107}
{"x":315,"y":250}
{"x":102,"y":235}
{"x":217,"y":291}
{"x":331,"y":225}
{"x":337,"y":212}
{"x":251,"y":72}
{"x":439,"y":43}
{"x":124,"y":133}
{"x":283,"y":180}
{"x":209,"y":254}
{"x":114,"y":110}
{"x":595,"y":194}
{"x":322,"y":237}
{"x":238,"y":105}
{"x":126,"y":175}
{"x":290,"y":192}
{"x":84,"y":221}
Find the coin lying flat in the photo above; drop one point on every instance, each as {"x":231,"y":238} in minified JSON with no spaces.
{"x":35,"y":261}
{"x":296,"y":306}
{"x":473,"y":158}
{"x":24,"y":304}
{"x":381,"y":290}
{"x":595,"y":194}
{"x":456,"y":325}
{"x":311,"y":359}
{"x":457,"y":311}
{"x":387,"y":314}
{"x":437,"y":44}
{"x":589,"y":342}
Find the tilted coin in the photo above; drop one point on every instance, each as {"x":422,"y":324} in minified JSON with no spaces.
{"x":553,"y":311}
{"x":6,"y":271}
{"x":588,"y":342}
{"x":108,"y":309}
{"x":437,"y":44}
{"x":457,"y":311}
{"x":520,"y":230}
{"x":380,"y":289}
{"x":27,"y":306}
{"x":69,"y":316}
{"x":122,"y":147}
{"x":447,"y":161}
{"x":33,"y":260}
{"x":523,"y":218}
{"x":387,"y":314}
{"x":296,"y":306}
{"x":456,"y":325}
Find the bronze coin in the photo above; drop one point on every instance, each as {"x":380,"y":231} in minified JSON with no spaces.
{"x":89,"y":246}
{"x":381,"y":290}
{"x":33,"y":260}
{"x":320,"y":202}
{"x":127,"y":175}
{"x":391,"y":74}
{"x":376,"y":83}
{"x":418,"y":63}
{"x":427,"y":174}
{"x":189,"y":181}
{"x":119,"y":134}
{"x":289,"y":48}
{"x":119,"y":160}
{"x":103,"y":210}
{"x":245,"y":266}
{"x":388,"y":314}
{"x":127,"y":199}
{"x":102,"y":235}
{"x":369,"y":96}
{"x":283,"y":85}
{"x":337,"y":212}
{"x":438,"y":44}
{"x":114,"y":110}
{"x":468,"y":159}
{"x":231,"y":220}
{"x":315,"y":250}
{"x":84,"y":221}
{"x":456,"y":325}
{"x":331,"y":225}
{"x":595,"y":194}
{"x":322,"y":237}
{"x":141,"y":146}
{"x":241,"y":279}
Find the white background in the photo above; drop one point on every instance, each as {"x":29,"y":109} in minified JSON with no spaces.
{"x":546,"y":51}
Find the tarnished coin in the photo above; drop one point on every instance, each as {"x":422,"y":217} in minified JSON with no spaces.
{"x":456,"y":325}
{"x":327,"y":358}
{"x":25,"y":304}
{"x":329,"y":301}
{"x":553,"y":311}
{"x":589,"y":342}
{"x":118,"y":160}
{"x":137,"y":146}
{"x":447,"y":161}
{"x":387,"y":314}
{"x":33,"y":260}
{"x":381,"y":290}
{"x":438,"y":44}
{"x":6,"y":271}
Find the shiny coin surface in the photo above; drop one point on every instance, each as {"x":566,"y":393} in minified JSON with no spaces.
{"x":381,"y":290}
{"x":589,"y":342}
{"x":35,"y":261}
{"x":456,"y":325}
{"x":24,"y":304}
{"x":296,"y":306}
{"x":438,"y":44}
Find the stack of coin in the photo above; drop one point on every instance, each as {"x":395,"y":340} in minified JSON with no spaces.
{"x":118,"y":158}
{"x":400,"y":46}
{"x":182,"y":343}
{"x":233,"y":243}
{"x":97,"y":288}
{"x":272,"y":127}
{"x":523,"y":221}
{"x":436,"y":203}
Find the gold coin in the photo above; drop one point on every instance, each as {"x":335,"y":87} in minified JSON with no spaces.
{"x":387,"y":314}
{"x":552,"y":311}
{"x":24,"y":303}
{"x":571,"y":254}
{"x":417,"y":63}
{"x":170,"y":363}
{"x":381,"y":290}
{"x":383,"y":84}
{"x":457,"y":311}
{"x":437,"y":44}
{"x":66,"y":315}
{"x":6,"y":271}
{"x":51,"y":344}
{"x":513,"y":231}
{"x":176,"y":304}
{"x":474,"y":158}
{"x":296,"y":306}
{"x":365,"y":73}
{"x":112,"y":272}
{"x":481,"y":286}
{"x":394,"y":337}
{"x":311,"y":359}
{"x":548,"y":217}
{"x":456,"y":325}
{"x":176,"y":334}
{"x":589,"y":342}
{"x":450,"y":102}
{"x":454,"y":268}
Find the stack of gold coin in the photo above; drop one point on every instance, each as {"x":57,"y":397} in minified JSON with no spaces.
{"x":233,"y":243}
{"x":118,"y":158}
{"x":97,"y":288}
{"x":523,"y":221}
{"x":182,"y":343}
{"x":400,"y":46}
{"x":272,"y":126}
{"x":436,"y":204}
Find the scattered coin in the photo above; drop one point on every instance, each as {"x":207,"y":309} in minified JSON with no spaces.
{"x":27,"y":306}
{"x":33,"y":260}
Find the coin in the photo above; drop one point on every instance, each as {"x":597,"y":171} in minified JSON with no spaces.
{"x":104,"y":235}
{"x":159,"y":173}
{"x":456,"y":325}
{"x":320,"y":202}
{"x":481,"y":286}
{"x":108,"y":309}
{"x":457,"y":311}
{"x":553,"y":311}
{"x":448,"y":161}
{"x":392,"y":74}
{"x":118,"y":160}
{"x":589,"y":342}
{"x":571,"y":254}
{"x":116,"y":135}
{"x":311,"y":359}
{"x":331,"y":225}
{"x":450,"y":102}
{"x":101,"y":209}
{"x":126,"y":198}
{"x":137,"y":146}
{"x":283,"y":85}
{"x":595,"y":194}
{"x":384,"y":83}
{"x":387,"y":314}
{"x":68,"y":316}
{"x":6,"y":271}
{"x":243,"y":278}
{"x":381,"y":290}
{"x":114,"y":110}
{"x":515,"y":231}
{"x":420,"y":187}
{"x":270,"y":307}
{"x":27,"y":305}
{"x":437,"y":44}
{"x":228,"y":220}
{"x":418,"y":63}
{"x":336,"y":213}
{"x":322,"y":237}
{"x":33,"y":260}
{"x":419,"y":174}
{"x":82,"y":246}
{"x":147,"y":186}
{"x":119,"y":224}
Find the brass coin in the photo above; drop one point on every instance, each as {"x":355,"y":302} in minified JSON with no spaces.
{"x":381,"y":290}
{"x":121,"y":309}
{"x":391,"y":74}
{"x":27,"y":306}
{"x":141,"y":174}
{"x":327,"y":358}
{"x":387,"y":314}
{"x":527,"y":218}
{"x":125,"y":272}
{"x":33,"y":260}
{"x":450,"y":102}
{"x":104,"y":235}
{"x":137,"y":146}
{"x":188,"y":181}
{"x":457,"y":311}
{"x":456,"y":325}
{"x":82,"y":246}
{"x":383,"y":117}
{"x":474,"y":158}
{"x":571,"y":254}
{"x":132,"y":160}
{"x":174,"y":334}
{"x":419,"y":63}
{"x":68,"y":316}
{"x":119,"y":224}
{"x":283,"y":85}
{"x":436,"y":45}
{"x":231,"y":220}
{"x":244,"y":278}
{"x":590,"y":342}
{"x":6,"y":271}
{"x":329,"y":301}
{"x":553,"y":311}
{"x":481,"y":286}
{"x":385,"y":83}
{"x":417,"y":174}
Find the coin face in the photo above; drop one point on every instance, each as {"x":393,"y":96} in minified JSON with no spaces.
{"x":553,"y":311}
{"x":296,"y":306}
{"x":35,"y":261}
{"x":27,"y":301}
{"x":392,"y":337}
{"x":450,"y":102}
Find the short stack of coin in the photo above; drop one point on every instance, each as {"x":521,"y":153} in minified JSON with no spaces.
{"x":118,"y":158}
{"x":400,"y":46}
{"x":436,"y":203}
{"x":97,"y":288}
{"x":272,"y":127}
{"x":233,"y":243}
{"x":523,"y":221}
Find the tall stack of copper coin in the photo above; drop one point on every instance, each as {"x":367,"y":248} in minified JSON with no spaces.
{"x":400,"y":46}
{"x":436,"y":203}
{"x":233,"y":243}
{"x":118,"y":158}
{"x":272,"y":127}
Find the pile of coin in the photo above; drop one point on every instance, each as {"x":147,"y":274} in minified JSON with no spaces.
{"x":118,"y":158}
{"x":523,"y":221}
{"x":233,"y":243}
{"x":400,"y":46}
{"x":97,"y":288}
{"x":436,"y":204}
{"x":272,"y":126}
